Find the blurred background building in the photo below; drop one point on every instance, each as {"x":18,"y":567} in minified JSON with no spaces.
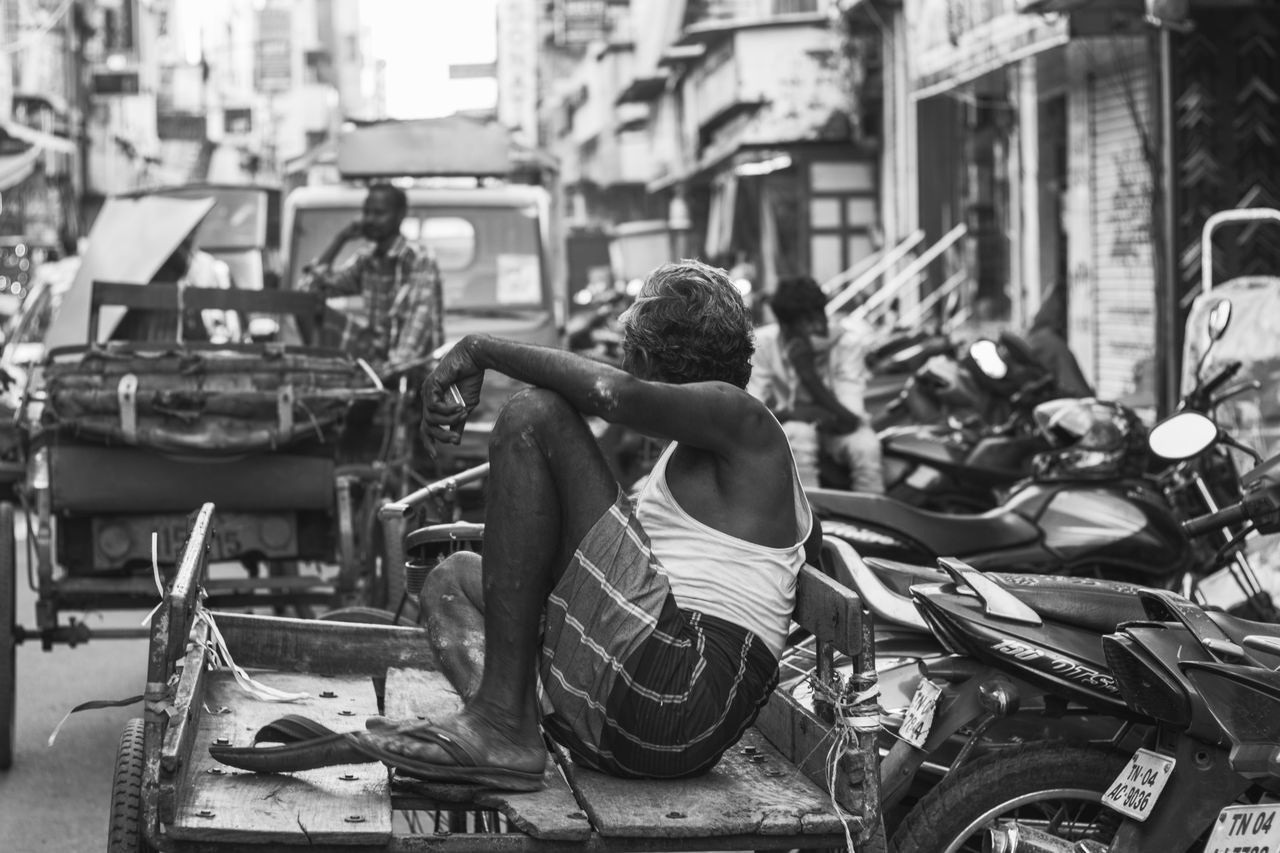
{"x":909,"y":148}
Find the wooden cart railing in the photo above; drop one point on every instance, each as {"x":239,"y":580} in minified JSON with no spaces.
{"x":768,"y":792}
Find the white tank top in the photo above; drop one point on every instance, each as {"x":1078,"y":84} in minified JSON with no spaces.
{"x":750,"y":585}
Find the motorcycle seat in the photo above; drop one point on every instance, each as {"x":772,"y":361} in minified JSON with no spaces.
{"x":1237,"y":629}
{"x":942,"y":534}
{"x":1088,"y":603}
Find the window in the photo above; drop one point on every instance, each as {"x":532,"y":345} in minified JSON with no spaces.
{"x":452,"y":238}
{"x":488,"y":255}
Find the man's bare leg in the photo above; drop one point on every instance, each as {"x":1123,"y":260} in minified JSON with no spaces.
{"x":548,"y":485}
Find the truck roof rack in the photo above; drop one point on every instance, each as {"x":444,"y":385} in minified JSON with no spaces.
{"x":453,"y":146}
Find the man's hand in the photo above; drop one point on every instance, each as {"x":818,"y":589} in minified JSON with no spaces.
{"x":836,"y":421}
{"x":451,"y":392}
{"x":841,"y":422}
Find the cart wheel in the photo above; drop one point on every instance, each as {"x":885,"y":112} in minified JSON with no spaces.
{"x":8,"y":642}
{"x":125,"y":833}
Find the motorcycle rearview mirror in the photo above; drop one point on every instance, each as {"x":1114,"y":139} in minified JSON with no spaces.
{"x":1182,"y":436}
{"x":987,"y":356}
{"x":1216,"y":324}
{"x":1219,"y":319}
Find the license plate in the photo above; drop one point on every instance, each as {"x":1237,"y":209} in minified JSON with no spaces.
{"x":919,"y":717}
{"x":120,"y":539}
{"x":1246,"y":829}
{"x":1137,"y":788}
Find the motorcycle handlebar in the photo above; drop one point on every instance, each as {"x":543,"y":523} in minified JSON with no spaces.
{"x":1200,"y":397}
{"x":1215,"y":520}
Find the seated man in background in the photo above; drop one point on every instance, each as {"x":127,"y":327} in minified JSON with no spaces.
{"x":813,"y":378}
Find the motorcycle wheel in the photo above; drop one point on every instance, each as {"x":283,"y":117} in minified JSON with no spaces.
{"x":1056,"y":788}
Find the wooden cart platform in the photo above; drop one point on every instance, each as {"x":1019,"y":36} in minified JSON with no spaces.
{"x":768,"y":792}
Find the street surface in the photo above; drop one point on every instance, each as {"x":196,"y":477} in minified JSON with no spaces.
{"x":58,"y":798}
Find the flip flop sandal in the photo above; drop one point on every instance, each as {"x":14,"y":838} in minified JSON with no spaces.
{"x":306,"y":745}
{"x":401,"y":749}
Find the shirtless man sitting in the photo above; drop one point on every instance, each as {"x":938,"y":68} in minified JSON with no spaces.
{"x":656,"y":627}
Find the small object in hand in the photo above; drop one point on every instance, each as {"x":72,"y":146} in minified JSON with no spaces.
{"x":456,"y":396}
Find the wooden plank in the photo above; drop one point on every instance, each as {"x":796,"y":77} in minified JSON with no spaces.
{"x":326,"y":648}
{"x":419,"y":694}
{"x":752,"y":791}
{"x":832,"y":612}
{"x":346,"y":804}
{"x":550,"y":814}
{"x":165,"y":297}
{"x":188,"y":699}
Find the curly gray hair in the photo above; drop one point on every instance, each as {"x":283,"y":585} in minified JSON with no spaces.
{"x":689,"y":324}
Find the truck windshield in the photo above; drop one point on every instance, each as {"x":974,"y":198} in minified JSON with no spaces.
{"x":489,"y":257}
{"x":237,"y":220}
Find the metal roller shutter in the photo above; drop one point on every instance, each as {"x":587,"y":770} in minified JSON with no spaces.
{"x":1124,"y":295}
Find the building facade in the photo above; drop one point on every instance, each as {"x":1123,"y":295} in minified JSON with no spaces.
{"x":721,"y":130}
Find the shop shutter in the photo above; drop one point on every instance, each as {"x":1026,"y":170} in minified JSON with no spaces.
{"x":1124,"y":296}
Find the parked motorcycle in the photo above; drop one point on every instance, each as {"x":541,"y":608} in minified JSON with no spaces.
{"x":970,"y":459}
{"x":1086,"y":510}
{"x":1039,"y":794}
{"x":1103,"y":503}
{"x":1209,"y":771}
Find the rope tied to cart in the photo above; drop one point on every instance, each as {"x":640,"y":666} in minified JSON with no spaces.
{"x":854,"y":715}
{"x":156,"y":695}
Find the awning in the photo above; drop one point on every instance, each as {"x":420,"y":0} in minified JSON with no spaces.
{"x":642,"y":89}
{"x":15,"y":167}
{"x":945,"y":65}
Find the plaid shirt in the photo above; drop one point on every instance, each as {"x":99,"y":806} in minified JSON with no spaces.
{"x":403,"y":315}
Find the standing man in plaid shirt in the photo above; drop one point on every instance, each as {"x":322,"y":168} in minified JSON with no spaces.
{"x":400,"y":283}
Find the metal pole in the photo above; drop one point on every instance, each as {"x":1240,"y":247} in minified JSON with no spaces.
{"x":1168,"y":321}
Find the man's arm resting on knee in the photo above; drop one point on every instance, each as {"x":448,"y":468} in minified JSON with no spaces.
{"x":712,"y":415}
{"x":837,"y":416}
